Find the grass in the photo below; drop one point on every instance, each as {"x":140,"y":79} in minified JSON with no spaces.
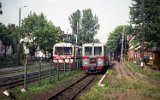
{"x":145,"y":71}
{"x":115,"y":88}
{"x":34,"y":89}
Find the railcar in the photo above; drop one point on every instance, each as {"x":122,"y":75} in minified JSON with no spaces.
{"x":66,"y":54}
{"x":95,"y":57}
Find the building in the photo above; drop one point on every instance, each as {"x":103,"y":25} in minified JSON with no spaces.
{"x":151,"y":55}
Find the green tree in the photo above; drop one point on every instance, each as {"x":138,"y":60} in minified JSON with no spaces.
{"x":5,"y":38}
{"x":8,"y":37}
{"x":114,"y":39}
{"x":0,"y":8}
{"x":87,"y":25}
{"x":90,"y":26}
{"x":151,"y":20}
{"x":75,"y":20}
{"x":96,"y":40}
{"x":40,"y":32}
{"x":12,"y":29}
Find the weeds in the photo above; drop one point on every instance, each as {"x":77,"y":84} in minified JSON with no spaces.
{"x":116,"y":87}
{"x":46,"y":86}
{"x":146,"y":71}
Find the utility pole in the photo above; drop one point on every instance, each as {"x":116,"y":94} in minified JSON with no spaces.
{"x":77,"y":30}
{"x":142,"y":30}
{"x":18,"y":50}
{"x":125,"y":43}
{"x":122,"y":43}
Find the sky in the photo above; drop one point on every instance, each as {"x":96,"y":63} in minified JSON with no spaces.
{"x":111,"y":13}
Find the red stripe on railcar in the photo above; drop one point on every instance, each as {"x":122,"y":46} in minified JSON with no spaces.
{"x":85,"y":67}
{"x":85,"y":57}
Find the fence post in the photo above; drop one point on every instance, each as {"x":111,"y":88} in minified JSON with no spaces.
{"x":39,"y":78}
{"x":50,"y":71}
{"x":64,"y":67}
{"x":57,"y":68}
{"x":77,"y":64}
{"x":25,"y":76}
{"x":69,"y":65}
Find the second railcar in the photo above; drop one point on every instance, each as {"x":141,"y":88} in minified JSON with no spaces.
{"x":68,"y":54}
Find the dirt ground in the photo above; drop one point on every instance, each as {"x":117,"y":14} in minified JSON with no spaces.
{"x":122,"y":72}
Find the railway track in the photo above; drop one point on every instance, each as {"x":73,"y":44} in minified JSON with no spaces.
{"x":71,"y":91}
{"x":8,"y":72}
{"x":18,"y":80}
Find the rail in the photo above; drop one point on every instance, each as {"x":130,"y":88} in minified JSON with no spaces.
{"x":71,"y":91}
{"x":35,"y":73}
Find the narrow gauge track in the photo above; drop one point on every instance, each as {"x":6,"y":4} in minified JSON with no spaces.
{"x":7,"y":72}
{"x":19,"y":79}
{"x":71,"y":91}
{"x":6,"y":80}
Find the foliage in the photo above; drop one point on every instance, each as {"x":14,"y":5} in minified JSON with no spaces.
{"x":114,"y":39}
{"x":96,"y":40}
{"x":151,"y":20}
{"x":13,"y":31}
{"x":74,"y":20}
{"x":40,"y":33}
{"x":86,"y":25}
{"x":90,"y":26}
{"x":9,"y":36}
{"x":0,"y":8}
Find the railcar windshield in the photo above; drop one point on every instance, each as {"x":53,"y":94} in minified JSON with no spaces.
{"x":88,"y":51}
{"x":63,"y":50}
{"x":97,"y":51}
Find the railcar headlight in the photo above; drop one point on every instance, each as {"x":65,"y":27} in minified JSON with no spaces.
{"x":85,"y":62}
{"x":100,"y":61}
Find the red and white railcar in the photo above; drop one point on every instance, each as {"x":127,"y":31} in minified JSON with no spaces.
{"x":67,"y":53}
{"x":95,"y":57}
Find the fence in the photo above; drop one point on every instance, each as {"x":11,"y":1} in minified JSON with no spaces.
{"x":49,"y":69}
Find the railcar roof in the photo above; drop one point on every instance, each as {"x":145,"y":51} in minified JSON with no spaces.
{"x":66,"y":45}
{"x":95,"y":44}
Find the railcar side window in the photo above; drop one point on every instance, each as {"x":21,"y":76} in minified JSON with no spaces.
{"x":88,"y":50}
{"x":97,"y":50}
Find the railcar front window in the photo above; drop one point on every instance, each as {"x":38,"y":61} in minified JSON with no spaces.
{"x":88,"y":50}
{"x":67,"y":51}
{"x":63,"y":51}
{"x":97,"y":51}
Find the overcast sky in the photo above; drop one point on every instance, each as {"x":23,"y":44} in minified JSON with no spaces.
{"x":111,"y":13}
